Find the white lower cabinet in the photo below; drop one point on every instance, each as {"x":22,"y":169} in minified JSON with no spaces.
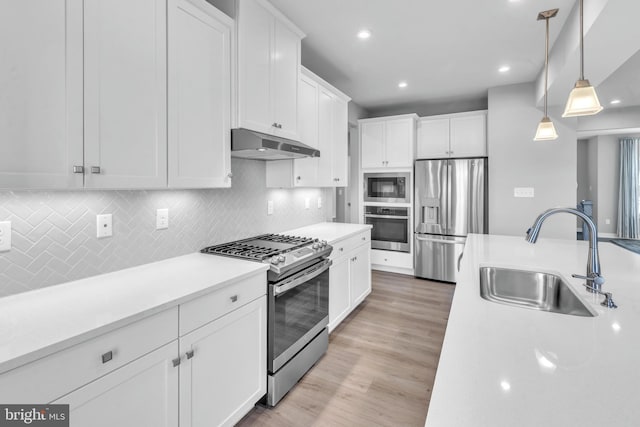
{"x":143,"y":393}
{"x":349,"y":276}
{"x":224,"y":373}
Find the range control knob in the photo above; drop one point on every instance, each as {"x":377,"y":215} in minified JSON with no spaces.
{"x":281,"y":258}
{"x":274,"y":260}
{"x":323,"y":243}
{"x":315,"y":245}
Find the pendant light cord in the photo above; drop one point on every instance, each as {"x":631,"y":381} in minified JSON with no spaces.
{"x":581,"y":41}
{"x":546,"y":67}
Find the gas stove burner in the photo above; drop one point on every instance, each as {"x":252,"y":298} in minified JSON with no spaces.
{"x":281,"y":238}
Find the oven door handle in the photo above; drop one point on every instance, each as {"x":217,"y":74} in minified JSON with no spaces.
{"x":287,"y":286}
{"x":385,"y":216}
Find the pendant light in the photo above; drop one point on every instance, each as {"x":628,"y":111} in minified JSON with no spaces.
{"x":546,"y":131}
{"x":583,"y":100}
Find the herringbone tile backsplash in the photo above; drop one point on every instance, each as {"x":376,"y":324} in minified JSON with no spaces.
{"x":54,"y":232}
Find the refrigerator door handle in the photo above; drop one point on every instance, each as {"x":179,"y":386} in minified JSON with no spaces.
{"x":447,"y":242}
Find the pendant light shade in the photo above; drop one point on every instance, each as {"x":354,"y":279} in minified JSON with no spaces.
{"x":583,"y":100}
{"x":546,"y":131}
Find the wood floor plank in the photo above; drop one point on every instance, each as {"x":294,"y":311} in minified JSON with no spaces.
{"x":381,"y":362}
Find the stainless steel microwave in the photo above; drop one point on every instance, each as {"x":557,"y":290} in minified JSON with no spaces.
{"x":387,"y":187}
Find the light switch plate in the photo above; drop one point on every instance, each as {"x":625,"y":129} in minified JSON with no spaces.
{"x":269,"y":207}
{"x":319,"y":202}
{"x":307,"y":203}
{"x":523,"y":192}
{"x":104,"y":226}
{"x":162,"y":219}
{"x":5,"y":236}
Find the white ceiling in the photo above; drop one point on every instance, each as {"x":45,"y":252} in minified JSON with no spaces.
{"x":447,"y":51}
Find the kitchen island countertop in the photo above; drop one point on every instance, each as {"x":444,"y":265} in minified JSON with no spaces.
{"x":508,"y":366}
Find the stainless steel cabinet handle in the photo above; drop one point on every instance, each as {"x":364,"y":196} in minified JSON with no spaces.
{"x":234,"y":298}
{"x":78,"y":169}
{"x":364,"y":238}
{"x":189,"y":354}
{"x":95,"y":169}
{"x":176,"y":362}
{"x":275,"y":125}
{"x":107,"y":356}
{"x":298,"y":178}
{"x":341,"y":249}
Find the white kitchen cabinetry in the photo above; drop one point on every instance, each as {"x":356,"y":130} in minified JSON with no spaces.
{"x":349,"y":276}
{"x":142,"y":393}
{"x":223,"y":370}
{"x":199,"y":102}
{"x":268,"y":68}
{"x":41,"y":94}
{"x":387,"y":142}
{"x":125,"y":90}
{"x":323,"y":124}
{"x":452,"y":135}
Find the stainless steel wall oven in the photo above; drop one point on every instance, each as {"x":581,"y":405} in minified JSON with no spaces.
{"x":391,"y":227}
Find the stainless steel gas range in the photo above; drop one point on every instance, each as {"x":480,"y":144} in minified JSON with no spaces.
{"x":298,"y":303}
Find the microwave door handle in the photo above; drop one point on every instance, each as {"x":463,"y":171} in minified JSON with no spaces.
{"x":287,"y":286}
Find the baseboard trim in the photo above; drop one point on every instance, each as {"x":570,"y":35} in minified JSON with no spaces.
{"x":390,"y":269}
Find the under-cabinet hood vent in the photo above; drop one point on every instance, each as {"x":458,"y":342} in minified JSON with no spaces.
{"x":250,"y":144}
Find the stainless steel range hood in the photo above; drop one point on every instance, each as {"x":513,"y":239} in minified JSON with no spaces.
{"x":250,"y":144}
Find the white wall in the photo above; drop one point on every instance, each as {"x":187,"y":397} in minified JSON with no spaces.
{"x":515,"y":160}
{"x":608,"y":164}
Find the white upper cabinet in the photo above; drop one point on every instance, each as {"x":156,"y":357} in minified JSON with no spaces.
{"x":323,"y":123}
{"x":199,"y":98}
{"x":125,"y":92}
{"x":453,"y":135}
{"x":268,"y":68}
{"x":387,"y":142}
{"x":41,"y":94}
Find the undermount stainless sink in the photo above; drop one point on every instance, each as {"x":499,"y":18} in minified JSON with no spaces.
{"x":530,"y":289}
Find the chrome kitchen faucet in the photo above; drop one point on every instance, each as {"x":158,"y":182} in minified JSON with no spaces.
{"x":593,"y":261}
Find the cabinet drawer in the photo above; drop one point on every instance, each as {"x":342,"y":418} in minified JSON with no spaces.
{"x":196,"y":313}
{"x":344,"y":246}
{"x":46,"y":379}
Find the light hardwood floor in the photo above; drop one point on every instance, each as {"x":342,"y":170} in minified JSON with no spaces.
{"x":381,"y":362}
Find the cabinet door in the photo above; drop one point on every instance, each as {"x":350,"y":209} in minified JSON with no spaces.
{"x":360,"y":274}
{"x":255,"y":34}
{"x":306,"y":170}
{"x":199,"y":60}
{"x":325,"y":137}
{"x":143,"y":393}
{"x":125,"y":93}
{"x":469,"y":136}
{"x":340,"y":149}
{"x":284,"y":80}
{"x":433,"y":139}
{"x":399,"y":140}
{"x":372,"y":145}
{"x":339,"y":292}
{"x":227,"y":374}
{"x":40,"y":94}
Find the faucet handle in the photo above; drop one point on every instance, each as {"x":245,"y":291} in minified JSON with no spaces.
{"x":597,"y":280}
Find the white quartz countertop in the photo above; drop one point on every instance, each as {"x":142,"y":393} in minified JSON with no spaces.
{"x":509,"y":366}
{"x":329,"y":231}
{"x":37,"y":323}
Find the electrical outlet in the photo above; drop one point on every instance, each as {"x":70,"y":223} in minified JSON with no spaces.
{"x":269,"y":207}
{"x":104,"y":225}
{"x":307,"y":203}
{"x":607,"y":221}
{"x":5,"y":236}
{"x":319,"y":202}
{"x":524,"y":192}
{"x":162,"y":219}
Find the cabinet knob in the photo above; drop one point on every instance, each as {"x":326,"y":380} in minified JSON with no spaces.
{"x":298,"y":178}
{"x":189,"y":354}
{"x":234,"y":298}
{"x":78,"y":169}
{"x":364,"y":238}
{"x":275,"y":125}
{"x":341,"y":249}
{"x":95,"y":169}
{"x":336,"y":179}
{"x":107,"y":356}
{"x":176,"y":362}
{"x":229,"y":175}
{"x":279,"y":125}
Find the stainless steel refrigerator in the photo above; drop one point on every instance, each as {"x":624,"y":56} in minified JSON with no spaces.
{"x":450,"y":202}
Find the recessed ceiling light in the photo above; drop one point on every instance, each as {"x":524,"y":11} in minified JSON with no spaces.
{"x":364,"y":34}
{"x":402,"y":85}
{"x":615,"y":101}
{"x":504,"y":69}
